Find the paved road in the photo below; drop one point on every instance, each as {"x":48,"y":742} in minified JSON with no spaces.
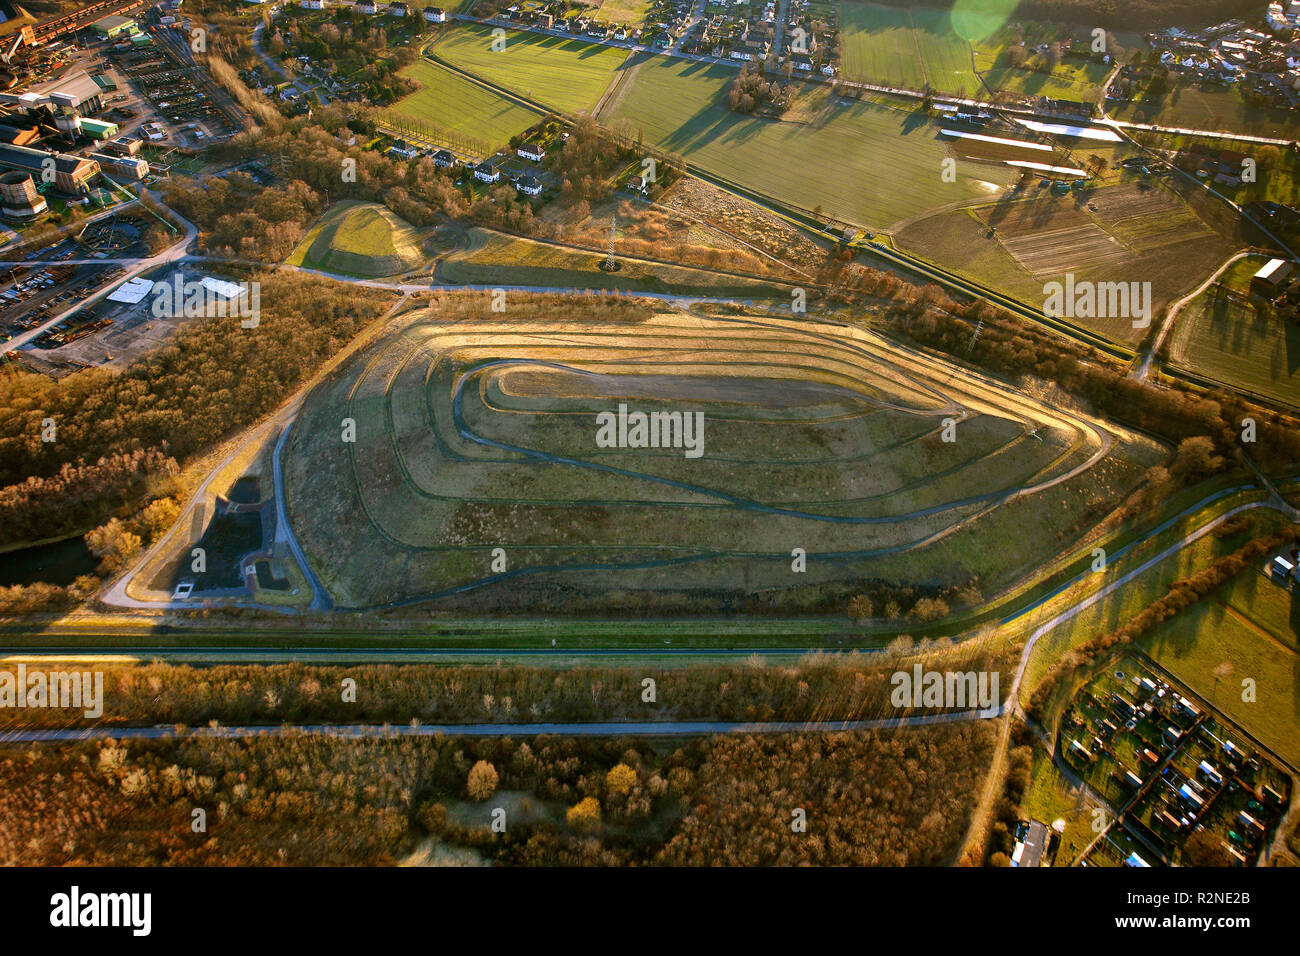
{"x":642,"y":728}
{"x":320,"y":600}
{"x":117,"y":596}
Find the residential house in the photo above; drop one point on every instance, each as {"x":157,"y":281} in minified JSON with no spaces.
{"x":403,"y":150}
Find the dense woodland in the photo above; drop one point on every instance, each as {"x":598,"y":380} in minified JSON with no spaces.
{"x":119,"y":434}
{"x":238,"y":218}
{"x":868,"y":798}
{"x":1141,"y":14}
{"x":751,"y":92}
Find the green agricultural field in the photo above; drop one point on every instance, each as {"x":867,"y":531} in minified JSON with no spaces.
{"x":627,"y":12}
{"x":1122,"y":604}
{"x":452,"y":103}
{"x":565,"y":75}
{"x":476,"y":433}
{"x":1072,"y":80}
{"x":360,"y":239}
{"x":907,"y":47}
{"x":864,"y":162}
{"x":1244,"y":631}
{"x":1223,"y":335}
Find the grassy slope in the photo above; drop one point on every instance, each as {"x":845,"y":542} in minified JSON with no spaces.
{"x":358,"y":239}
{"x":495,"y":257}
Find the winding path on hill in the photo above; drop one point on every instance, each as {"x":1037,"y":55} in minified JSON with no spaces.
{"x":901,"y":364}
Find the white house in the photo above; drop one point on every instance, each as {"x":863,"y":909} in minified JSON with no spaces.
{"x":486,"y":173}
{"x":435,"y":14}
{"x":367,"y":7}
{"x":529,"y":186}
{"x":531,"y":151}
{"x":312,"y":4}
{"x":404,"y":150}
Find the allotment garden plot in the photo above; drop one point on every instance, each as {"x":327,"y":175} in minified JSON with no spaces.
{"x":477,"y":476}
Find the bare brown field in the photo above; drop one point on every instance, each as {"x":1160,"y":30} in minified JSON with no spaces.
{"x":1066,"y":243}
{"x":737,"y":217}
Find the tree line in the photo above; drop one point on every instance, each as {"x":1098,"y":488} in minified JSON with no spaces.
{"x":838,"y":687}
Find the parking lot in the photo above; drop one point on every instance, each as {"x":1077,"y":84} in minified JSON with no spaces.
{"x":176,"y":92}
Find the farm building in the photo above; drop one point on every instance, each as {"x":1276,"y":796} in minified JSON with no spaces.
{"x":1211,"y":773}
{"x":1271,"y":276}
{"x":1168,"y":820}
{"x":1281,"y":570}
{"x":1134,"y":860}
